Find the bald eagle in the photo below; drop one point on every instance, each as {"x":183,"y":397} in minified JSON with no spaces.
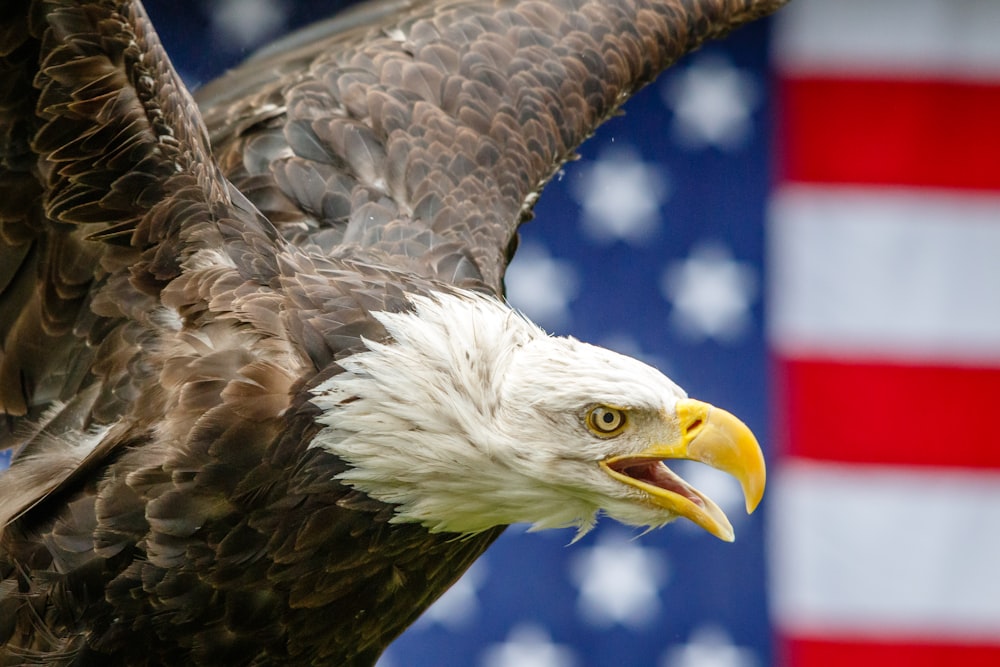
{"x":266,"y":399}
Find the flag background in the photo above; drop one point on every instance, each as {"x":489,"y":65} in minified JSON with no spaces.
{"x":799,"y":223}
{"x":884,"y":323}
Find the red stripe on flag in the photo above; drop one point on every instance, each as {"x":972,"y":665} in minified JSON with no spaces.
{"x":887,"y":414}
{"x":829,"y":653}
{"x":886,"y":132}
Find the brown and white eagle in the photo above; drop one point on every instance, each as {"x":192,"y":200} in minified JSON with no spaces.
{"x":266,"y":399}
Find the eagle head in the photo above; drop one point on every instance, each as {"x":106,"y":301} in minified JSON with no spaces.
{"x":469,"y":416}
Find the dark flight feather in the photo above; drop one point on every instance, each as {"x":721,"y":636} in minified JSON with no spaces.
{"x":173,"y":281}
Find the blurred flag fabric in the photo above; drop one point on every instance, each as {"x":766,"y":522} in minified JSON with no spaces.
{"x":835,"y":171}
{"x":884,"y":320}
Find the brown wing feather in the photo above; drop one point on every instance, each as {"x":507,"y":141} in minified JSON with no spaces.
{"x":422,"y":139}
{"x":105,"y":172}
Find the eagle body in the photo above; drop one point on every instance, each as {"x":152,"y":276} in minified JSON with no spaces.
{"x":266,"y":400}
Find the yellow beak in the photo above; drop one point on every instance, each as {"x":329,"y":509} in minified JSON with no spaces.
{"x":709,"y":435}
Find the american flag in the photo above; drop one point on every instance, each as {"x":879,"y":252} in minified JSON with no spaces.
{"x":884,"y":326}
{"x":800,"y":223}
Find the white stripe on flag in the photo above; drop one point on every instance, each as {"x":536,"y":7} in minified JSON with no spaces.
{"x":888,"y":274}
{"x":904,"y":38}
{"x":885,"y":552}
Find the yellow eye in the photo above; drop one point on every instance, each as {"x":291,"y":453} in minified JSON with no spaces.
{"x":605,"y":421}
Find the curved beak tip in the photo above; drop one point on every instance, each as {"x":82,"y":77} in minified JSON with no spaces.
{"x":753,"y":490}
{"x":725,"y":443}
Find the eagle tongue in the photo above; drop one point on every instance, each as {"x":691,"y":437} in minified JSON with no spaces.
{"x":659,"y":475}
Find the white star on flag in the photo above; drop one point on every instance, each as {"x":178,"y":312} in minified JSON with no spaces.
{"x":711,"y":293}
{"x":527,"y":645}
{"x":709,"y":646}
{"x":621,"y":196}
{"x":712,"y":103}
{"x":243,"y":24}
{"x":619,"y":581}
{"x":541,"y":286}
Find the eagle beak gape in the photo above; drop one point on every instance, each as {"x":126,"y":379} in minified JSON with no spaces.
{"x":708,"y":435}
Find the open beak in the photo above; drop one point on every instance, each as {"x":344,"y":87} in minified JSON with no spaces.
{"x":709,"y":435}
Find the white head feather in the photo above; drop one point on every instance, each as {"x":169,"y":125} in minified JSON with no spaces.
{"x":473,"y":417}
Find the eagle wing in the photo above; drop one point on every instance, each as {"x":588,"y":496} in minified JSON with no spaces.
{"x":419,"y":134}
{"x":107,"y":189}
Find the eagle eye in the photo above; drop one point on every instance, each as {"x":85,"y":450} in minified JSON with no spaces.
{"x":605,"y":421}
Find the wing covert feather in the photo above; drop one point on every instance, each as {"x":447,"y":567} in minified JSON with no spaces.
{"x":107,"y":184}
{"x":422,"y":139}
